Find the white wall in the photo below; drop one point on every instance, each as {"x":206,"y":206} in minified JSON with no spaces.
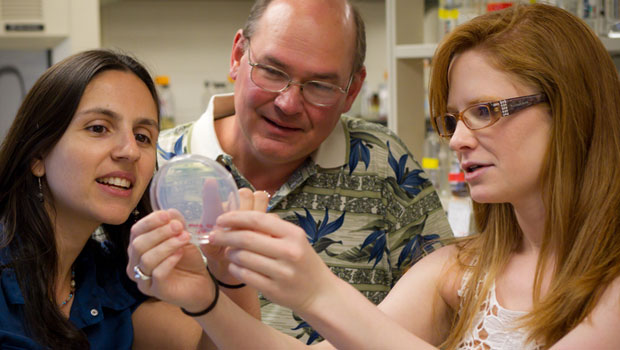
{"x":84,"y":29}
{"x":190,"y":41}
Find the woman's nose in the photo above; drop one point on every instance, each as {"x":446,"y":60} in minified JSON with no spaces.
{"x":463,"y":137}
{"x":126,"y":148}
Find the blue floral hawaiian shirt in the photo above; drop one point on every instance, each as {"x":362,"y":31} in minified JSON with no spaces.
{"x":367,"y":207}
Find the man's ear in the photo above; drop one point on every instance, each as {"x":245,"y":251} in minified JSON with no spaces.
{"x":37,"y":167}
{"x":354,"y":89}
{"x":238,"y":50}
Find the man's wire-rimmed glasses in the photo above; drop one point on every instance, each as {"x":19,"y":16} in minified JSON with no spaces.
{"x":483,"y":115}
{"x":272,"y":79}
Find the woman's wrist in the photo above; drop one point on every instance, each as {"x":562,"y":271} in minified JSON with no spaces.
{"x":224,"y":284}
{"x":211,"y":306}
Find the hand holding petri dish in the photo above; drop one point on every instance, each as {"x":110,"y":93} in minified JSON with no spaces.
{"x":198,"y":187}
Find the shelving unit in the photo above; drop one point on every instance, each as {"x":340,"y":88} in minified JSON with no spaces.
{"x":406,"y":54}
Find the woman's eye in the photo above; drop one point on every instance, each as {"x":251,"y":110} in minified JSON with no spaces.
{"x":143,"y":138}
{"x":481,"y":112}
{"x":98,"y":129}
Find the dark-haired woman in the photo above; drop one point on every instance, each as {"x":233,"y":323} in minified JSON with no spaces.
{"x":80,"y":153}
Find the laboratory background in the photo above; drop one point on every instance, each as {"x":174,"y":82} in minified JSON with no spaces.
{"x":186,"y":46}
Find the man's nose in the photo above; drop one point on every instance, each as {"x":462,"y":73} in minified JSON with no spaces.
{"x":290,"y":101}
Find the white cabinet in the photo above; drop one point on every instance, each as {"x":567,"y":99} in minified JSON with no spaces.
{"x":63,"y":26}
{"x":406,"y":53}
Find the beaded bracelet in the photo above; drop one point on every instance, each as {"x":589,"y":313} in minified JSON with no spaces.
{"x":213,"y":303}
{"x":226,"y":285}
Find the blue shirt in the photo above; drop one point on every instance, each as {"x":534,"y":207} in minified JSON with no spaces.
{"x":104,"y":301}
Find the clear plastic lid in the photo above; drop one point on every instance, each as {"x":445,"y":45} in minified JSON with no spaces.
{"x":198,"y":187}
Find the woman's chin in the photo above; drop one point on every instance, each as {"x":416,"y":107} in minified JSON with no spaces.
{"x":116,"y":220}
{"x":479,"y":195}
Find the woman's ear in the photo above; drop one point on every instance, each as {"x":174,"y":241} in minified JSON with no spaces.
{"x":37,"y":167}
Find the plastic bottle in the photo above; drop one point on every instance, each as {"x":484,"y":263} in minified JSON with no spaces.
{"x":457,"y":178}
{"x":436,"y":163}
{"x":460,"y":212}
{"x":448,"y":15}
{"x":454,"y":12}
{"x":373,"y":114}
{"x":469,"y":10}
{"x":590,"y":12}
{"x":383,"y":103}
{"x":612,"y":18}
{"x":498,"y":5}
{"x":571,"y":6}
{"x":430,"y":161}
{"x":166,"y":102}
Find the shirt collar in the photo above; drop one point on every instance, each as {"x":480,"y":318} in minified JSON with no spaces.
{"x":206,"y":142}
{"x":330,"y":154}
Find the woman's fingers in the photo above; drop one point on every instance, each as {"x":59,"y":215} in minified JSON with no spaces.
{"x":152,"y":258}
{"x":149,"y":223}
{"x":165,"y":267}
{"x":250,"y":277}
{"x":153,"y":239}
{"x":253,"y":220}
{"x":261,"y":201}
{"x":154,"y":222}
{"x":246,"y":199}
{"x":257,"y":242}
{"x":288,"y":272}
{"x":249,"y":200}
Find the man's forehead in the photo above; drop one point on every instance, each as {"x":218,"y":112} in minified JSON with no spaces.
{"x":287,"y":28}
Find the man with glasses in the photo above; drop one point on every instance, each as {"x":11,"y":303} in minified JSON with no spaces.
{"x":362,"y":199}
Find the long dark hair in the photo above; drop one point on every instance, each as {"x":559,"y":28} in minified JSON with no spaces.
{"x":41,"y":121}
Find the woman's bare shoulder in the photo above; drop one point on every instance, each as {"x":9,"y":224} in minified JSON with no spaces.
{"x":599,"y":330}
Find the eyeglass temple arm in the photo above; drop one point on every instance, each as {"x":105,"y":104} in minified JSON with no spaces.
{"x":349,"y":84}
{"x":513,"y":105}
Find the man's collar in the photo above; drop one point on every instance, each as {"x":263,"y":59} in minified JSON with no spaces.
{"x":204,"y":139}
{"x":333,"y":151}
{"x":330,"y":154}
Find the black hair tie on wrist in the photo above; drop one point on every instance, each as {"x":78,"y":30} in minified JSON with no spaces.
{"x":226,"y":285}
{"x":213,"y":303}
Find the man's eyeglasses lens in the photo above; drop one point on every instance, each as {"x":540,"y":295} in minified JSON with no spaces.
{"x":274,"y":80}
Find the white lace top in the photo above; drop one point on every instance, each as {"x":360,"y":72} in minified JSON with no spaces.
{"x":494,"y":327}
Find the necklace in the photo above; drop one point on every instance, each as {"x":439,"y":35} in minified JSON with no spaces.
{"x":72,"y":290}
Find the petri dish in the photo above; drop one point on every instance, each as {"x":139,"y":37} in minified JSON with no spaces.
{"x":198,"y":187}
